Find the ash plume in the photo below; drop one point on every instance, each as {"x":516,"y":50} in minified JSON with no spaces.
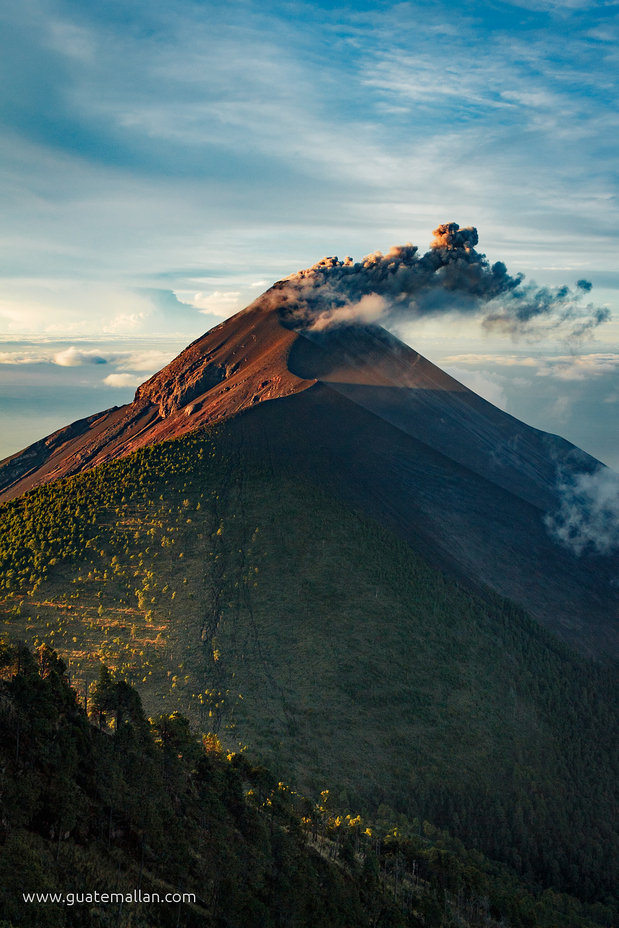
{"x":452,"y":277}
{"x":588,"y":517}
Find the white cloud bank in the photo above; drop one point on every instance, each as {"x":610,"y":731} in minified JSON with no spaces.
{"x":561,"y":367}
{"x":75,"y":357}
{"x":152,"y":359}
{"x":220,"y":303}
{"x":588,"y":518}
{"x":124,"y":380}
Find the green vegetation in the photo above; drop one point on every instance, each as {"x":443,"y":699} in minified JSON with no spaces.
{"x":148,"y":807}
{"x":237,"y":593}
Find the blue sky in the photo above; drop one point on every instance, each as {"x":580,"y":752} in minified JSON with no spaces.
{"x":164,"y":162}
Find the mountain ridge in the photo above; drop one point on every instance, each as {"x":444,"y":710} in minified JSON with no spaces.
{"x":255,"y":356}
{"x":464,"y":483}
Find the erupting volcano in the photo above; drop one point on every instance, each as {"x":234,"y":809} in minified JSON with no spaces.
{"x":306,"y":373}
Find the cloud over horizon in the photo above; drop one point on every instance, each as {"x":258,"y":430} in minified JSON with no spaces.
{"x":150,"y":359}
{"x":75,"y":357}
{"x":561,"y":367}
{"x":124,"y":380}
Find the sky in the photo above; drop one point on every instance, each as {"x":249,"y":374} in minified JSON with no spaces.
{"x":163,"y":163}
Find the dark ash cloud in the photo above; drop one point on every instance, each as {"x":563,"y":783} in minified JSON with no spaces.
{"x":452,"y":277}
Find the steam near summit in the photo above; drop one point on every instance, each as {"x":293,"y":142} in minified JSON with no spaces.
{"x":452,"y":277}
{"x":307,"y":374}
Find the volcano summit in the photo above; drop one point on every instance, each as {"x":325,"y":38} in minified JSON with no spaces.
{"x":307,"y":375}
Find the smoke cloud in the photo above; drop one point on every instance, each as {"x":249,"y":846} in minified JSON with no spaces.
{"x":588,"y":517}
{"x":452,"y":277}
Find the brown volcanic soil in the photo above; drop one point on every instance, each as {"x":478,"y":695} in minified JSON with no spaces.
{"x":240,"y":363}
{"x":382,"y":428}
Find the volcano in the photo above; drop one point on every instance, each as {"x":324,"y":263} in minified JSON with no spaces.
{"x":313,"y":543}
{"x":383,"y":429}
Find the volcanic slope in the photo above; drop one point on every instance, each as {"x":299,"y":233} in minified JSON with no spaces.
{"x":230,"y":587}
{"x":356,"y":410}
{"x":237,"y":364}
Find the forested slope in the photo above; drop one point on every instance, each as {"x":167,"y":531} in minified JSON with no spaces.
{"x":147,"y":811}
{"x":231,"y":589}
{"x":121,"y":821}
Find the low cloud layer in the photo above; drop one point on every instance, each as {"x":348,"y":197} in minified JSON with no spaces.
{"x":588,"y":518}
{"x":140,"y":360}
{"x":124,"y":380}
{"x":22,"y":357}
{"x":559,"y":367}
{"x":149,"y":360}
{"x":489,"y":385}
{"x":75,"y":357}
{"x":452,"y":277}
{"x":219,"y":303}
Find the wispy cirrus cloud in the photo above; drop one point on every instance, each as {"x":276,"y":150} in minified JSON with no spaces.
{"x":195,"y":126}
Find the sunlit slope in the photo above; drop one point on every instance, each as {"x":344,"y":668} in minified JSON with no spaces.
{"x":229,"y":587}
{"x":236,"y":365}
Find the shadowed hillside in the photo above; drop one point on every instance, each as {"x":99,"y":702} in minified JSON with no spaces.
{"x":120,"y":821}
{"x":230,"y":585}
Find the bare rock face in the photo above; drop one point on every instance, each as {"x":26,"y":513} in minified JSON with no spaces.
{"x":171,"y":394}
